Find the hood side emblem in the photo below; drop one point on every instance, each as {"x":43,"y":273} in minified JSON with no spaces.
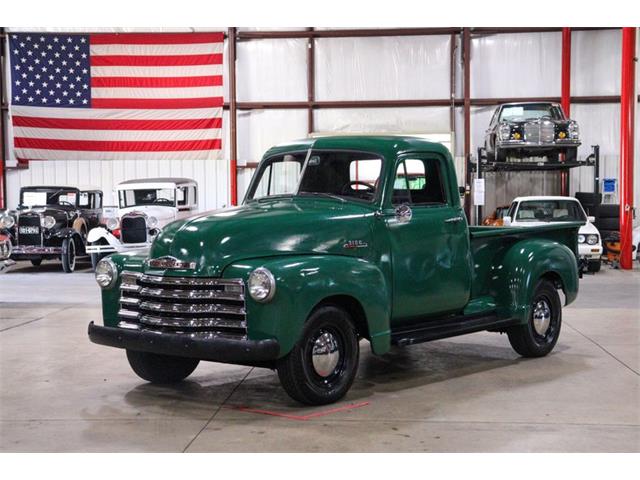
{"x":351,"y":244}
{"x":169,"y":262}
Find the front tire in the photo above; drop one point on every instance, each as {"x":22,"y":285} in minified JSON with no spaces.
{"x":68,"y":256}
{"x":321,"y":367}
{"x":36,"y":262}
{"x":594,"y":266}
{"x":539,"y":335}
{"x":162,"y":369}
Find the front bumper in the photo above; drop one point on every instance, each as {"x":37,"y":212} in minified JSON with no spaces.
{"x":523,"y":144}
{"x":589,"y":252}
{"x":119,"y":248}
{"x":35,"y":250}
{"x":205,"y":346}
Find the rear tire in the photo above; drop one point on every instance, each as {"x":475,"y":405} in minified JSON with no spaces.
{"x":36,"y":262}
{"x":533,"y":339}
{"x":68,"y":256}
{"x":321,"y":367}
{"x":571,"y":155}
{"x":162,"y":369}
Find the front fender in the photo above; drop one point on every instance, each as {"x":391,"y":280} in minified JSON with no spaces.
{"x":302,"y":282}
{"x":101,"y":233}
{"x":522,"y":267}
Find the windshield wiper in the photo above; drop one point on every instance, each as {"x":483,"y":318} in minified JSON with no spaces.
{"x":324,"y":194}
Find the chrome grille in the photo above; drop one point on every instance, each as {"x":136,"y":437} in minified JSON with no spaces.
{"x":531,"y":132}
{"x":547,"y":132}
{"x":133,"y":229}
{"x":183,"y":303}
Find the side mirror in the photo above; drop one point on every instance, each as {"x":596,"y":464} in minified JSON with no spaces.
{"x":403,"y":213}
{"x":591,"y":218}
{"x":506,"y":221}
{"x":462,"y":191}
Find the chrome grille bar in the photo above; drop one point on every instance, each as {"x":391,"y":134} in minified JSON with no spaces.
{"x":213,"y":304}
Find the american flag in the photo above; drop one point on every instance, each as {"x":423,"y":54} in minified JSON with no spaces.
{"x":116,"y":96}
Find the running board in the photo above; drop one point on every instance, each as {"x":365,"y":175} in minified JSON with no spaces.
{"x":451,"y":326}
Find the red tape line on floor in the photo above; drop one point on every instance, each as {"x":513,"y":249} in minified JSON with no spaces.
{"x":301,"y":417}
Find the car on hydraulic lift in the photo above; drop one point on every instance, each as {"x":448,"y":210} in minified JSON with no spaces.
{"x":544,"y":210}
{"x":531,"y":129}
{"x":145,"y":206}
{"x":51,"y":222}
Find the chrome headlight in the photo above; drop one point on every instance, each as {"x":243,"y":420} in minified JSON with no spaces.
{"x":47,"y":222}
{"x":7,"y":221}
{"x":262,"y":285}
{"x":106,"y":273}
{"x":112,"y":223}
{"x":581,"y":239}
{"x":574,"y":130}
{"x":505,"y":131}
{"x":592,"y":239}
{"x":152,"y":222}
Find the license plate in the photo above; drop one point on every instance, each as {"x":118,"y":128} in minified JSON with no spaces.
{"x":29,"y":230}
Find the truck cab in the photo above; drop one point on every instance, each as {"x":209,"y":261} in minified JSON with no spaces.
{"x":339,"y":239}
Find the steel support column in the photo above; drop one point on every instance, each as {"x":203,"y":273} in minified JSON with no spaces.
{"x":627,"y":132}
{"x":3,"y":161}
{"x":565,"y":98}
{"x":466,"y":54}
{"x":311,"y":80}
{"x":233,"y":120}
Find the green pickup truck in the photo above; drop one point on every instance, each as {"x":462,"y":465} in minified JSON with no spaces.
{"x":338,"y":239}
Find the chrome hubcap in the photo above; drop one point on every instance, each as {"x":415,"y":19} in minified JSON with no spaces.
{"x":541,"y":317}
{"x":325,"y":354}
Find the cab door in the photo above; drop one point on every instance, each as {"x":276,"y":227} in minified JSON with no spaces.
{"x":428,"y":238}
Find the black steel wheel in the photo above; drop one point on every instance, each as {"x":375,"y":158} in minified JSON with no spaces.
{"x":156,"y":368}
{"x":321,"y":367}
{"x":539,"y":335}
{"x":68,"y":256}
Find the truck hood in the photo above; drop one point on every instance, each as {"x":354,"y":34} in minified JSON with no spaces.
{"x":266,"y":228}
{"x":164,"y":214}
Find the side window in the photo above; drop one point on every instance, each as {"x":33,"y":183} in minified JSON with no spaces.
{"x":182,"y":196}
{"x":419,"y":182}
{"x":84,"y":200}
{"x":193,"y":196}
{"x":98,"y":200}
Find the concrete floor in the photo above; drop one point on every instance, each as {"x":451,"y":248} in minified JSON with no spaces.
{"x":59,"y":392}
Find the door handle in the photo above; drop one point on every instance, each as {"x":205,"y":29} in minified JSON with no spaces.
{"x":453,"y":220}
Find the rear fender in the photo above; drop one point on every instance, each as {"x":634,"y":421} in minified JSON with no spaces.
{"x":303,"y":282}
{"x":523,"y":265}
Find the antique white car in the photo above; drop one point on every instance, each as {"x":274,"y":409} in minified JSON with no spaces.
{"x":145,"y":206}
{"x":530,"y":211}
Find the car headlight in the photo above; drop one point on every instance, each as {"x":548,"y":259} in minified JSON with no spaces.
{"x":574,"y":130}
{"x":505,"y":131}
{"x":106,"y":273}
{"x":581,"y":239}
{"x":262,"y":285}
{"x":592,"y":239}
{"x":7,"y":221}
{"x":47,"y":222}
{"x":112,"y":223}
{"x":152,"y":222}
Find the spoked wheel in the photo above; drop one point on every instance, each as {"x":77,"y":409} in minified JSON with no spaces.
{"x":68,"y":255}
{"x":322,"y":366}
{"x":539,"y":335}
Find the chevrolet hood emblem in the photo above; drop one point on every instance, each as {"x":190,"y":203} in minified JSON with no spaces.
{"x":169,"y":262}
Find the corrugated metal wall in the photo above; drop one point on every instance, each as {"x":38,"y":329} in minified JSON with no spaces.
{"x":524,"y":64}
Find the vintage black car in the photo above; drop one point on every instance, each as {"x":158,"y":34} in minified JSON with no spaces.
{"x":531,"y":129}
{"x":51,"y":222}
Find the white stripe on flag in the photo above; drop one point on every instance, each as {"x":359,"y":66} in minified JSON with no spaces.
{"x":117,"y":114}
{"x":118,"y":135}
{"x":178,"y":49}
{"x":172,"y":92}
{"x":42,"y":154}
{"x":189,"y":71}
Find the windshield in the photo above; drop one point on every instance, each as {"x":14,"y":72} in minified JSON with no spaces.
{"x":550,"y":211}
{"x":48,"y":197}
{"x":352,"y":175}
{"x":147,"y":196}
{"x":514,"y":113}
